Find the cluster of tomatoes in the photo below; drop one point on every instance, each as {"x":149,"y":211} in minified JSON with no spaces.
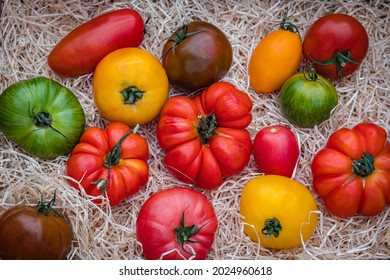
{"x":205,"y":137}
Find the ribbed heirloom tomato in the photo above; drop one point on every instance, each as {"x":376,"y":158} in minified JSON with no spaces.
{"x":110,"y":161}
{"x":175,"y":224}
{"x":352,"y":173}
{"x":205,"y":137}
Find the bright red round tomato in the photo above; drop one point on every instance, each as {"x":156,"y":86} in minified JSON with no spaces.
{"x":276,"y":151}
{"x":175,"y":224}
{"x":336,"y":44}
{"x":352,"y":173}
{"x":34,"y":233}
{"x":205,"y":137}
{"x":81,"y":50}
{"x":196,"y":55}
{"x":110,"y":161}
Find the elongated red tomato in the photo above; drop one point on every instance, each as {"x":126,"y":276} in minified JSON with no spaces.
{"x":110,"y":161}
{"x":352,"y":173}
{"x":205,"y":137}
{"x":80,"y":51}
{"x":276,"y":150}
{"x":175,"y":224}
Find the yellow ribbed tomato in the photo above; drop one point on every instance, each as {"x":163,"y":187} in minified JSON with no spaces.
{"x":130,"y":85}
{"x":275,"y":59}
{"x":278,"y":212}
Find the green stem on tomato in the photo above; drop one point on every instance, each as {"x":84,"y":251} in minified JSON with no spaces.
{"x":271,"y":227}
{"x":364,"y":166}
{"x":289,"y":26}
{"x":340,"y":59}
{"x":43,"y":120}
{"x":206,"y":128}
{"x":46,"y":207}
{"x":131,"y":95}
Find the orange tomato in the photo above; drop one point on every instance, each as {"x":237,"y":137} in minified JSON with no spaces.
{"x":275,"y":59}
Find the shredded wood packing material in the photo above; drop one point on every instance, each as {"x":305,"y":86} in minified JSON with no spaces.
{"x":30,"y":29}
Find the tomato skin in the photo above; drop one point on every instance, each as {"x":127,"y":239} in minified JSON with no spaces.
{"x":276,"y":151}
{"x":26,"y":234}
{"x":290,"y":202}
{"x":199,"y":60}
{"x":205,"y":138}
{"x":345,"y":189}
{"x":334,"y":33}
{"x":89,"y":162}
{"x":305,"y":102}
{"x":122,"y":71}
{"x":80,"y":51}
{"x":41,"y":116}
{"x":275,"y":59}
{"x":163,"y":212}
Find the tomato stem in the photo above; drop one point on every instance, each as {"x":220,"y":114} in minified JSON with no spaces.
{"x":43,"y":120}
{"x":272,"y":227}
{"x":364,"y":166}
{"x":46,"y":207}
{"x":131,"y":95}
{"x":179,"y":36}
{"x":112,"y":159}
{"x":183,"y":233}
{"x":340,"y":59}
{"x":289,"y":26}
{"x":206,"y":128}
{"x":311,"y":73}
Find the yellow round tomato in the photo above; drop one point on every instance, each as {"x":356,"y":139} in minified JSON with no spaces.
{"x":130,"y":85}
{"x":278,"y":211}
{"x":275,"y":59}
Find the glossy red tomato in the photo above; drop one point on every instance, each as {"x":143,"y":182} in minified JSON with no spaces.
{"x":352,"y":173}
{"x":205,"y":137}
{"x":34,"y":233}
{"x":80,"y":51}
{"x":110,"y":161}
{"x":175,"y":224}
{"x":336,"y":44}
{"x":276,"y":151}
{"x":196,"y":55}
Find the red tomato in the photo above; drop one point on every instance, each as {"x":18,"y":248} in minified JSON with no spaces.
{"x":336,"y":44}
{"x":110,"y":161}
{"x":352,"y":173}
{"x":276,"y":151}
{"x":205,"y":137}
{"x":34,"y":233}
{"x":80,"y":51}
{"x":176,"y":223}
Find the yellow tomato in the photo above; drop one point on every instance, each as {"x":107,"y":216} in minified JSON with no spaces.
{"x":275,"y":59}
{"x":278,"y":211}
{"x":131,"y":86}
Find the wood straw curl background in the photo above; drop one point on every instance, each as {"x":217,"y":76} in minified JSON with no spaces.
{"x":30,"y":29}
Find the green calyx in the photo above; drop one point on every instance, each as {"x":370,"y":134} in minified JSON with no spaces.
{"x":206,"y":128}
{"x":364,"y":166}
{"x":179,"y":36}
{"x":310,"y":74}
{"x":287,"y":25}
{"x":112,"y":159}
{"x":340,"y":59}
{"x":46,"y":207}
{"x":272,"y":227}
{"x":43,"y":120}
{"x":184,"y":233}
{"x":131,"y":95}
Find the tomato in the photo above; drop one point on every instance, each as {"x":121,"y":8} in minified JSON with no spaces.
{"x":34,"y":233}
{"x":176,"y":223}
{"x":307,"y":99}
{"x":278,"y":212}
{"x":41,"y":116}
{"x":196,"y":55}
{"x":352,"y":172}
{"x":275,"y":59}
{"x":131,"y":86}
{"x":205,"y":137}
{"x":336,"y":44}
{"x":276,"y":151}
{"x":110,"y":161}
{"x":80,"y":51}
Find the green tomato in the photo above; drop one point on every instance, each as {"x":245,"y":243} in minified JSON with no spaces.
{"x":41,"y":116}
{"x":307,"y":99}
